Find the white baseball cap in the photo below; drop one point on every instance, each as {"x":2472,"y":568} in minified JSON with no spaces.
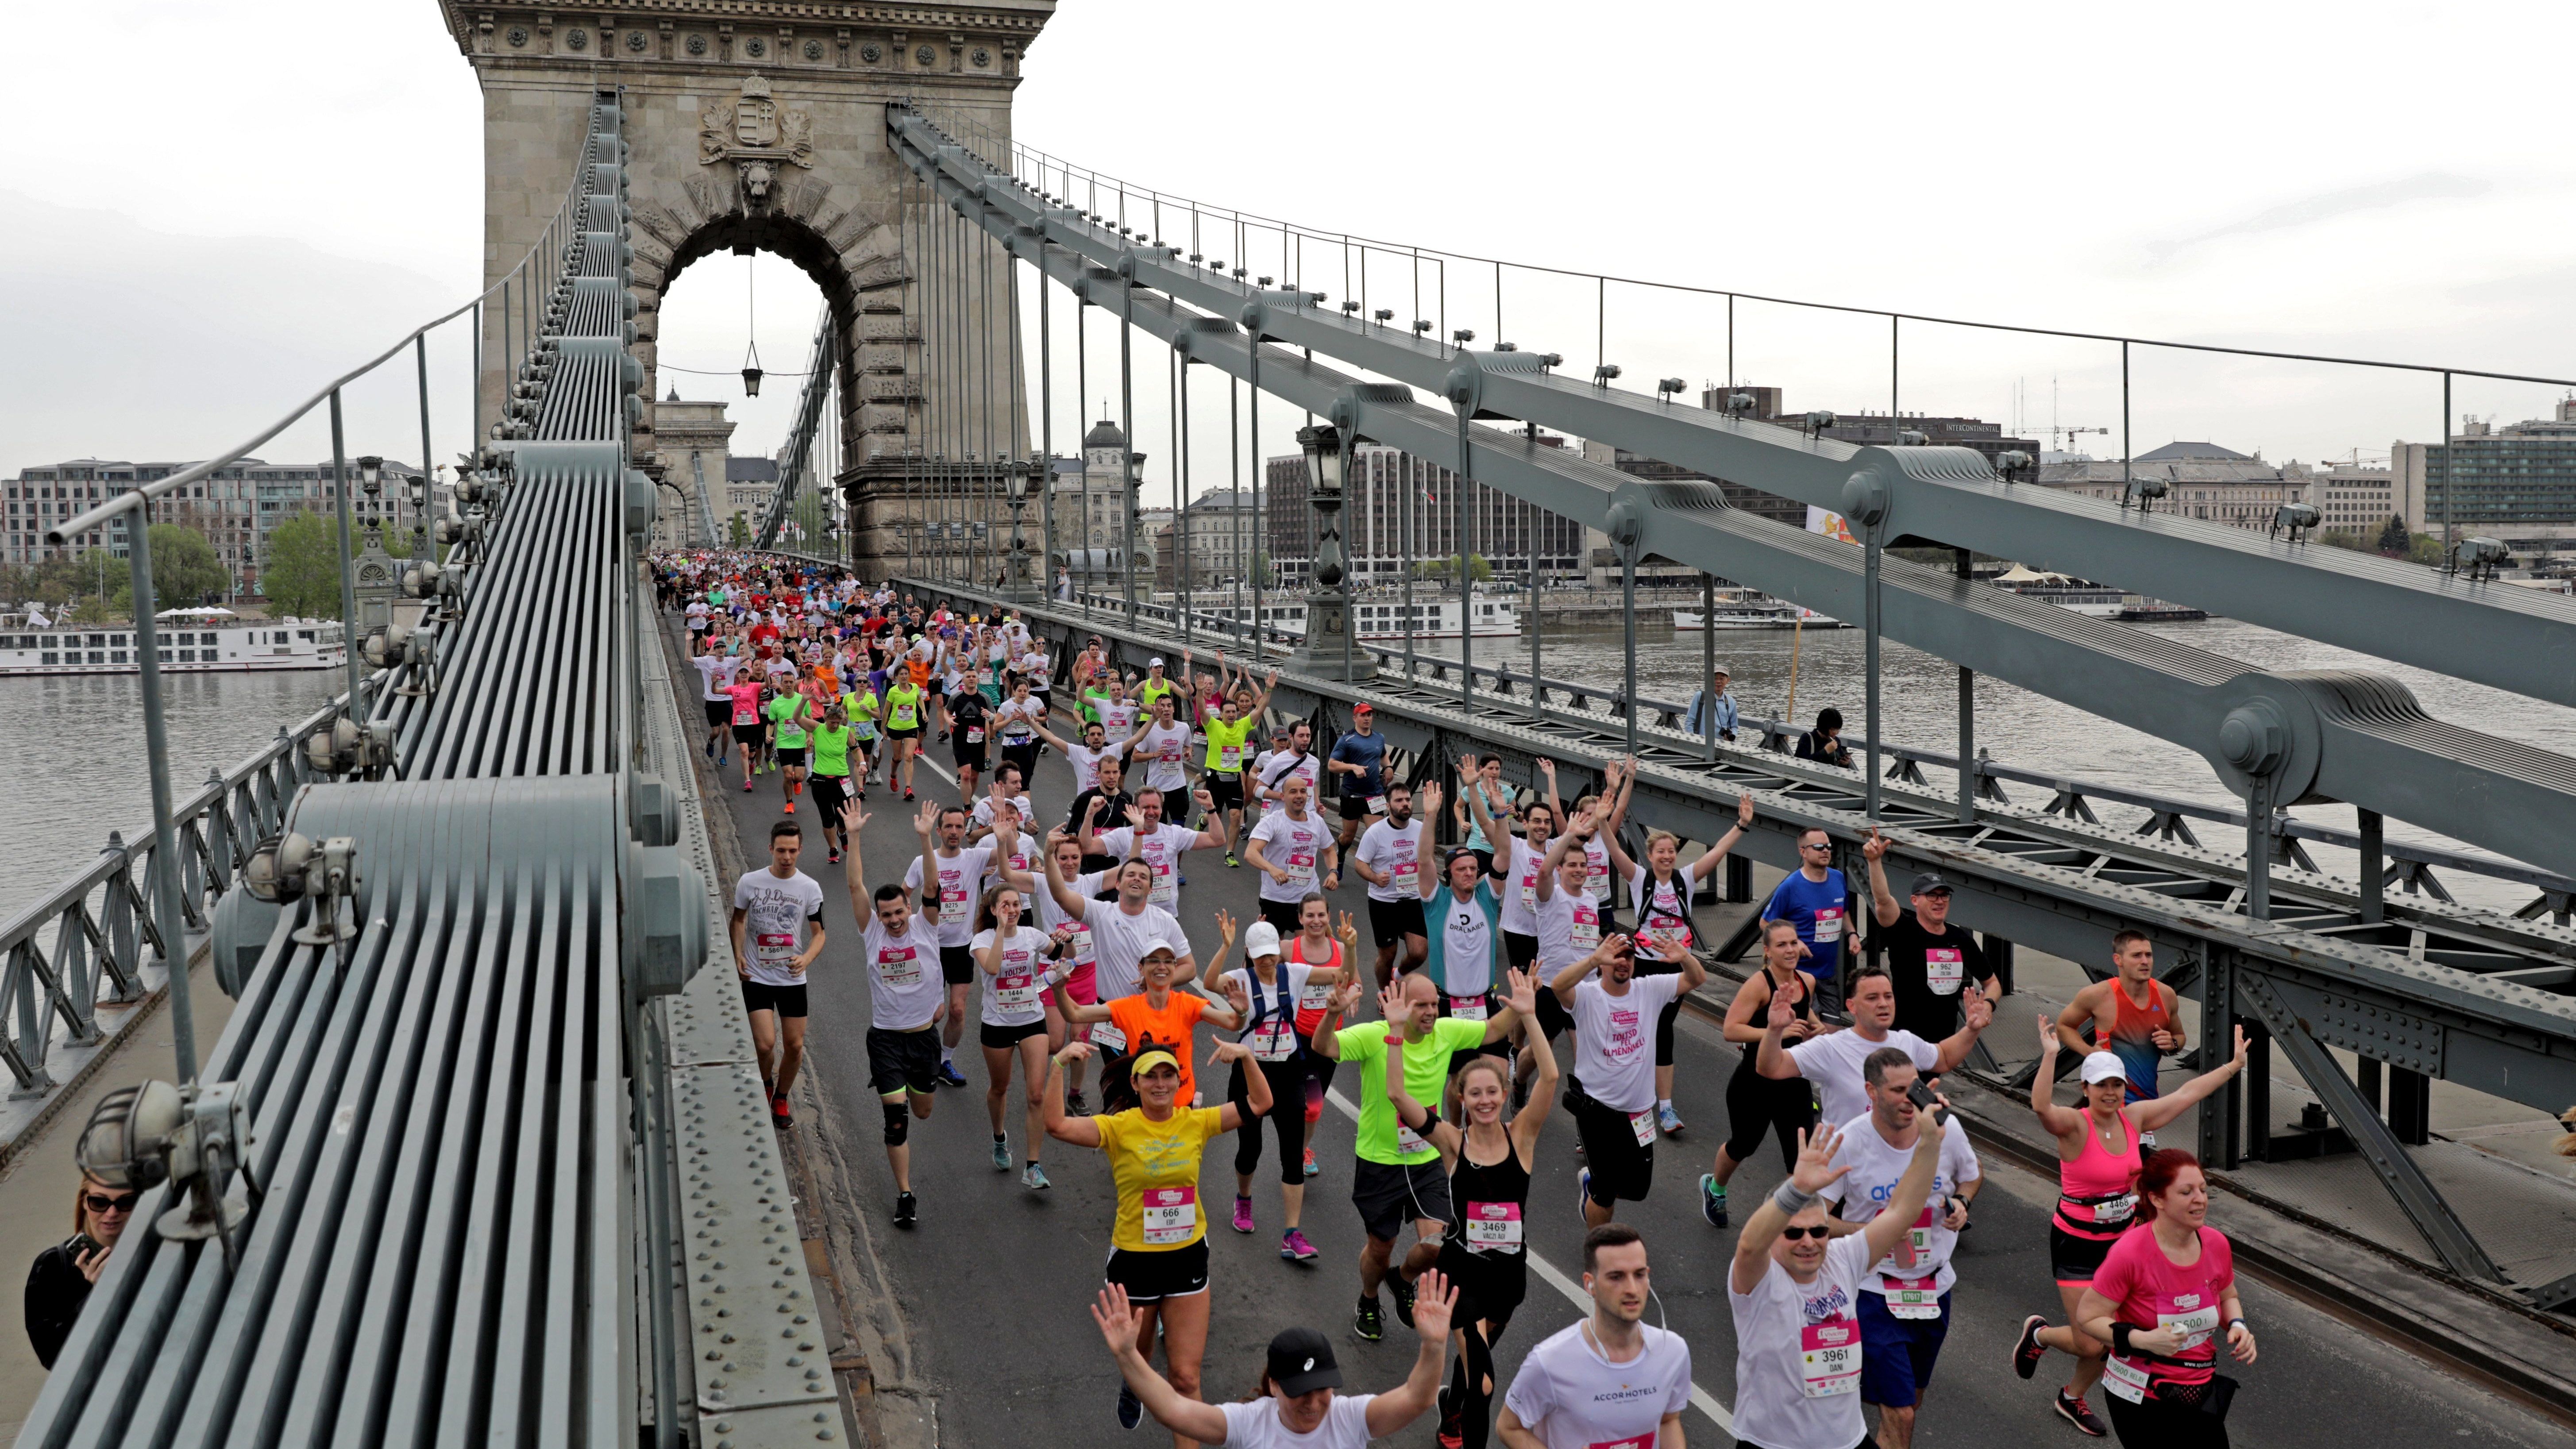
{"x":1154,"y":663}
{"x":2104,"y":1067}
{"x":1261,"y":940}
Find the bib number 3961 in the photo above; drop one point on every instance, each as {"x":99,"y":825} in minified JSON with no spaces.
{"x":1829,"y":1358}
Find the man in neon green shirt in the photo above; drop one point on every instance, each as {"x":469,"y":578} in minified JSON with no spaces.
{"x":1399,"y":1174}
{"x":787,"y":739}
{"x":863,"y":709}
{"x":832,"y":740}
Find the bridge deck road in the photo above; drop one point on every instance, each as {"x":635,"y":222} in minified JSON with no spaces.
{"x":991,"y":1287}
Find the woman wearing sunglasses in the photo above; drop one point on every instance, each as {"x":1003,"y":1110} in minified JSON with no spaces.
{"x":60,"y":1281}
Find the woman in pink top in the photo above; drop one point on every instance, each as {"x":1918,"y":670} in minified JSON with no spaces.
{"x":2100,"y":1149}
{"x":747,"y":727}
{"x":2163,"y":1298}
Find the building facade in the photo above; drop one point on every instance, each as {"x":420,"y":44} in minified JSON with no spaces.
{"x":2354,"y":497}
{"x":236,"y":507}
{"x":692,"y":441}
{"x":2203,"y":480}
{"x":1398,"y":508}
{"x":2515,"y":483}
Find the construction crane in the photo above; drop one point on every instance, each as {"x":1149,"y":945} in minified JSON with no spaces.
{"x":2059,"y":438}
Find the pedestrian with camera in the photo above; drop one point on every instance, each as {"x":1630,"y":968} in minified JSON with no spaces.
{"x":59,"y":1283}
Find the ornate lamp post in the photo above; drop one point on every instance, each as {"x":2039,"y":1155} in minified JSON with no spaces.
{"x":1019,"y":585}
{"x":1327,"y":650}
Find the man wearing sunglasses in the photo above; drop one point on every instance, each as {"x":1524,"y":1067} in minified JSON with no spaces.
{"x":63,"y":1274}
{"x":1816,"y":899}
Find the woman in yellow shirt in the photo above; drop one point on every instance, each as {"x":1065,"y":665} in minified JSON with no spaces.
{"x":1158,"y":1247}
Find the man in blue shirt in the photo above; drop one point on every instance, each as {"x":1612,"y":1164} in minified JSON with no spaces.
{"x":1816,"y":899}
{"x":1359,"y":759}
{"x":1696,"y":723}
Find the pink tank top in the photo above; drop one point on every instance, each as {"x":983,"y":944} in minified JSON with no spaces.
{"x":1310,"y":1008}
{"x":2097,"y":1192}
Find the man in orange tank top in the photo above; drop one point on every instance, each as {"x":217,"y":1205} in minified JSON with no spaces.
{"x":2133,"y":1015}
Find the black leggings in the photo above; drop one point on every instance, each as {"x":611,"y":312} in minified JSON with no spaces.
{"x":1287,"y":1118}
{"x":2175,"y":1423}
{"x":1754,"y":1102}
{"x":1471,"y":1384}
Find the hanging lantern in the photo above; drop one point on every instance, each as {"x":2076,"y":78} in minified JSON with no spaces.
{"x":751,"y":372}
{"x":751,"y":348}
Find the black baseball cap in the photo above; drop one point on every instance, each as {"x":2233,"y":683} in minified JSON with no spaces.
{"x":1301,"y":1361}
{"x":1928,"y":883}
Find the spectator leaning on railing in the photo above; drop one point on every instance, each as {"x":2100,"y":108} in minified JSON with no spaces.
{"x":60,"y":1281}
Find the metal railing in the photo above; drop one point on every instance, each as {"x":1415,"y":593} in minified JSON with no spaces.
{"x":100,"y":925}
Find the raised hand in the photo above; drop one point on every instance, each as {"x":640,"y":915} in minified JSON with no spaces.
{"x":1815,"y":1170}
{"x":1344,"y":997}
{"x":1390,"y":1000}
{"x":928,"y":819}
{"x":852,"y":817}
{"x":1782,"y":1013}
{"x":1430,"y":797}
{"x":1435,"y":1299}
{"x":1744,"y":812}
{"x":1235,"y":995}
{"x":1350,"y":935}
{"x":1979,"y":1011}
{"x":1524,"y":990}
{"x":1073,"y":1051}
{"x":1875,"y":848}
{"x":1466,"y":769}
{"x":1547,"y":767}
{"x":2048,"y":1042}
{"x":1117,"y":1320}
{"x":1225,"y":927}
{"x":1230,"y":1051}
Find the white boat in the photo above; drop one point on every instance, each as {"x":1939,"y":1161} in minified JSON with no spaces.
{"x":1745,"y":616}
{"x":1373,"y":617}
{"x":2099,"y":601}
{"x":192,"y":641}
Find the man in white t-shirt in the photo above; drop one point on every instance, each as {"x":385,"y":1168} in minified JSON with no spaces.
{"x":1795,"y":1290}
{"x":1121,"y":932}
{"x":1297,"y":762}
{"x":772,"y":909}
{"x":1085,"y":757}
{"x":1146,"y":837}
{"x":715,"y":671}
{"x":1290,"y":849}
{"x":1297,"y":1408}
{"x":1162,"y":745}
{"x":1905,"y":1295}
{"x":900,"y":949}
{"x":1611,"y":1090}
{"x":1611,"y":1380}
{"x":1389,"y":859}
{"x":1006,"y":790}
{"x":960,"y":870}
{"x":1833,"y":1061}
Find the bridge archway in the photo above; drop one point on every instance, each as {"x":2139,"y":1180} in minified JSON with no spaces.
{"x":766,"y":136}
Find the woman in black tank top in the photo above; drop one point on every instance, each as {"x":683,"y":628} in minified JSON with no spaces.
{"x":1484,"y":1253}
{"x":1753,"y":1101}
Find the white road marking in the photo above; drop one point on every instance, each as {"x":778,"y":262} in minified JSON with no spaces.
{"x":1548,"y":1272}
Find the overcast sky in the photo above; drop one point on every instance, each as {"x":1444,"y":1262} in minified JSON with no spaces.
{"x":206,"y":218}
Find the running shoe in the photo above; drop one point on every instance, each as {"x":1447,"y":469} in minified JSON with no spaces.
{"x":1312,"y":1171}
{"x":1076,"y":1104}
{"x":1453,"y":1422}
{"x":1403,"y":1297}
{"x":835,"y":858}
{"x":949,"y":1077}
{"x":746,"y":787}
{"x":1035,"y":1178}
{"x":2028,"y":1350}
{"x":1712,"y":1199}
{"x":1243,"y":1215}
{"x":2080,"y":1414}
{"x":1294,"y":1247}
{"x":791,"y":807}
{"x":1231,"y":862}
{"x":1369,"y":1325}
{"x":1131,"y":1410}
{"x":1582,"y":1192}
{"x":1001,"y":1155}
{"x":907,"y":794}
{"x":779,"y":1116}
{"x":1668,"y":1121}
{"x":907,"y":1210}
{"x":1185,"y":880}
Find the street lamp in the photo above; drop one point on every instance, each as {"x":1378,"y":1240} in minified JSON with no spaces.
{"x":1017,"y":584}
{"x":1327,"y":647}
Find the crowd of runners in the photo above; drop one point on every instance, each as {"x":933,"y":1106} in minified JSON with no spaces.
{"x":1060,"y":926}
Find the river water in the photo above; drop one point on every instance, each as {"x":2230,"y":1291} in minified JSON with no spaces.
{"x":77,"y":770}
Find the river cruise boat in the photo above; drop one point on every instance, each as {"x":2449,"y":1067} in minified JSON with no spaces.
{"x":193,"y":641}
{"x":1376,"y":618}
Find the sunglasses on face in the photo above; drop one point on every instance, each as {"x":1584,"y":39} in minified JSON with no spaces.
{"x":123,"y":1202}
{"x":1825,"y":846}
{"x":1819,"y":1232}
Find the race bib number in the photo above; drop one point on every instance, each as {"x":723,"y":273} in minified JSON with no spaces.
{"x":952,"y":904}
{"x":1829,"y":925}
{"x":1911,"y":1297}
{"x":1944,"y":969}
{"x":1467,"y":1008}
{"x":1494,"y":1227}
{"x":974,"y":735}
{"x":1164,"y":892}
{"x":1643,"y":1124}
{"x":1408,"y":1142}
{"x":2195,"y":1324}
{"x":1274,"y":1040}
{"x":1529,"y":891}
{"x":1666,"y":939}
{"x":775,"y":947}
{"x":1108,"y":1037}
{"x":1633,"y":1441}
{"x":2126,"y":1378}
{"x":1406,"y":873}
{"x":1829,"y":1358}
{"x":1314,"y":997}
{"x":1079,"y":943}
{"x":1170,"y":1215}
{"x":1017,"y":991}
{"x":1377,"y":805}
{"x":898,"y":966}
{"x":1587,"y":929}
{"x":1300,"y":866}
{"x":1229,"y":758}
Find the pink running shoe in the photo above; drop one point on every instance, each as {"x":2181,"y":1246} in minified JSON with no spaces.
{"x":1243,"y":1215}
{"x":1294,"y":1247}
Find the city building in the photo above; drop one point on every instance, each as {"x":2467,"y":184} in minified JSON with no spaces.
{"x":1877,"y":428}
{"x":749,"y":484}
{"x":692,"y":441}
{"x":2203,"y":480}
{"x":1386,"y":484}
{"x":236,"y":507}
{"x":2354,"y":497}
{"x":2516,"y":483}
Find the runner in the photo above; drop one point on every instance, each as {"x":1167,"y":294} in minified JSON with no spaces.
{"x":1517,"y":861}
{"x":1270,"y":989}
{"x":1162,"y":745}
{"x":1904,"y":1303}
{"x":904,"y":1003}
{"x":1296,"y":762}
{"x":1795,"y":1290}
{"x":771,"y":910}
{"x":1570,"y":924}
{"x":1107,"y":800}
{"x":2162,"y":1299}
{"x":1611,"y":1380}
{"x":1928,"y":959}
{"x":1612,"y":1089}
{"x":1610,"y":809}
{"x":1328,"y":959}
{"x":1158,"y":1258}
{"x":1006,"y":790}
{"x":948,"y":898}
{"x":865,"y":707}
{"x":1145,"y":837}
{"x":1157,"y":685}
{"x":1390,"y":860}
{"x":1123,"y":934}
{"x":1755,"y":1102}
{"x":1014,"y":960}
{"x":831,"y":744}
{"x":2134,"y":1016}
{"x":1015,"y":722}
{"x":1359,"y":758}
{"x":1484,"y":1253}
{"x":1228,"y":732}
{"x":1085,"y":757}
{"x":2098,"y":1159}
{"x":1833,"y":1060}
{"x":1458,"y":909}
{"x":1078,"y":963}
{"x":748,"y":731}
{"x":903,"y":712}
{"x":1487,"y":785}
{"x":1284,"y":848}
{"x":1660,"y":897}
{"x":715,"y":674}
{"x":1398,"y":1170}
{"x":964,"y":718}
{"x":1817,"y":899}
{"x":1294,"y":1406}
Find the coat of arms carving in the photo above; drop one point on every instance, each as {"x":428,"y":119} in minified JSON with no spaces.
{"x":757,"y":134}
